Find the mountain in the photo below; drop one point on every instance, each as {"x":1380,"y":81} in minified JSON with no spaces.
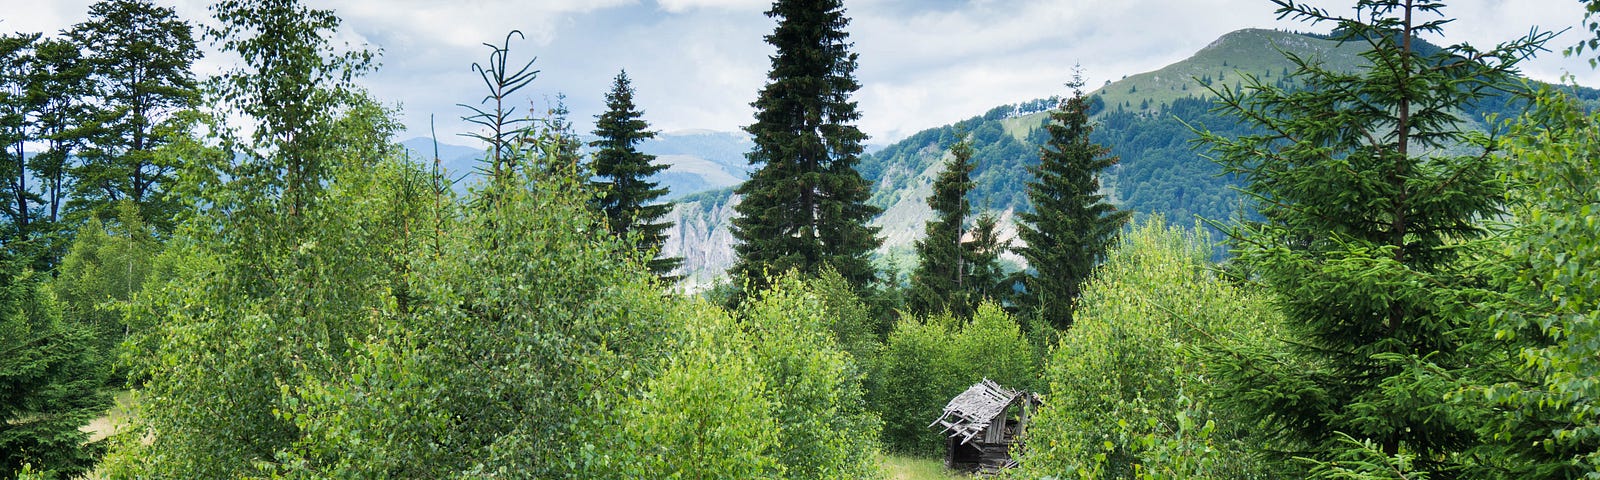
{"x":1144,"y":119}
{"x":698,"y":160}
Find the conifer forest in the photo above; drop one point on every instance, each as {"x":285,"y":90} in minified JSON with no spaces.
{"x":1346,"y":251}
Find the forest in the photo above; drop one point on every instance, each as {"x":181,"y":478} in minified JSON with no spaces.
{"x":246,"y":276}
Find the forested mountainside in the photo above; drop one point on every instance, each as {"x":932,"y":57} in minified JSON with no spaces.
{"x":1145,"y":120}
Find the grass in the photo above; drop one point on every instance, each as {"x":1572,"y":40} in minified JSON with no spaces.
{"x":913,"y":468}
{"x":115,"y":418}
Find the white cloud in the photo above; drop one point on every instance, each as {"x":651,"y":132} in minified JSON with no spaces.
{"x":699,"y":63}
{"x":681,"y":6}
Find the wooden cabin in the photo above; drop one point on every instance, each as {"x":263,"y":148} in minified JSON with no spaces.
{"x":981,"y":430}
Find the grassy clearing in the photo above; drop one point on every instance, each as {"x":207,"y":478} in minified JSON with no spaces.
{"x":912,"y":468}
{"x":115,"y":418}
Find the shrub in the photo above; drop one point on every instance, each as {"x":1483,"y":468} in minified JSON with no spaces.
{"x":825,"y":430}
{"x":1127,"y":393}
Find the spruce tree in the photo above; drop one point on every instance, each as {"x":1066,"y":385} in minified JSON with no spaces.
{"x":985,"y":279}
{"x":1368,"y":186}
{"x":140,"y":58}
{"x":939,"y":283}
{"x":805,"y":206}
{"x":627,"y":197}
{"x":50,"y":379}
{"x":1071,"y":225}
{"x":18,"y":200}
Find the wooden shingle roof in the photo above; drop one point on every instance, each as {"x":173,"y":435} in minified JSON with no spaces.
{"x":973,"y":410}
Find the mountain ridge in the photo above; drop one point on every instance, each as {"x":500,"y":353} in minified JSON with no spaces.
{"x":1143,"y":118}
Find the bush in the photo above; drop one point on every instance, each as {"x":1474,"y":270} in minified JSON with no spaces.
{"x":1127,"y":392}
{"x":825,"y":430}
{"x":708,"y":414}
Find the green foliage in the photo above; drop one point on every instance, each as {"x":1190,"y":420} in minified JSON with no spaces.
{"x":294,"y":85}
{"x":50,"y":379}
{"x":1365,"y":460}
{"x":805,"y":206}
{"x":19,"y":201}
{"x":940,"y":282}
{"x":260,"y":271}
{"x":1071,"y":225}
{"x":141,"y":57}
{"x":987,"y":276}
{"x":927,"y":361}
{"x":105,"y":267}
{"x":707,"y":416}
{"x":56,"y":91}
{"x":1591,"y":8}
{"x":625,"y":194}
{"x":1537,"y":397}
{"x":501,"y":352}
{"x":1363,"y":210}
{"x":824,"y":428}
{"x":846,"y":316}
{"x":208,"y":413}
{"x":1129,"y":396}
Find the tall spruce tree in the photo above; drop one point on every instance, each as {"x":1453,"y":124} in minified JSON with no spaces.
{"x":1368,"y":186}
{"x":1071,"y":225}
{"x":627,"y":196}
{"x":940,"y":282}
{"x":57,"y":96}
{"x":805,"y":206}
{"x":18,"y":200}
{"x":141,"y":56}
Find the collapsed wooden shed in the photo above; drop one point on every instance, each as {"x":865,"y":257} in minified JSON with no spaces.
{"x":981,"y":431}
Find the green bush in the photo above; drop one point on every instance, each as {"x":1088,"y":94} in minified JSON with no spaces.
{"x":825,"y":430}
{"x":1128,"y":394}
{"x":104,"y":268}
{"x":708,"y":415}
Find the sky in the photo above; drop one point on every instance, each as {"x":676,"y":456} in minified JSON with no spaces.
{"x":697,"y":64}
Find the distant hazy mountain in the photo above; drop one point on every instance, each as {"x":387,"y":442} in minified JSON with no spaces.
{"x":698,"y":160}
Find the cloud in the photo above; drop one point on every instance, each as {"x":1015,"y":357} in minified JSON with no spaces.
{"x":681,"y":6}
{"x":699,"y":63}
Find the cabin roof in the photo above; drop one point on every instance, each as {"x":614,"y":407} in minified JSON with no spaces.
{"x":973,"y":410}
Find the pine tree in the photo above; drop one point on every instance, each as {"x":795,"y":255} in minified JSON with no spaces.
{"x":57,"y":95}
{"x":50,"y":379}
{"x":627,"y":197}
{"x":1071,"y":225}
{"x":141,"y":56}
{"x":805,"y":206}
{"x":939,"y":283}
{"x":18,"y":199}
{"x":1365,"y":208}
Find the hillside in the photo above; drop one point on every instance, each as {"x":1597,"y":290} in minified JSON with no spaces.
{"x":1144,"y":118}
